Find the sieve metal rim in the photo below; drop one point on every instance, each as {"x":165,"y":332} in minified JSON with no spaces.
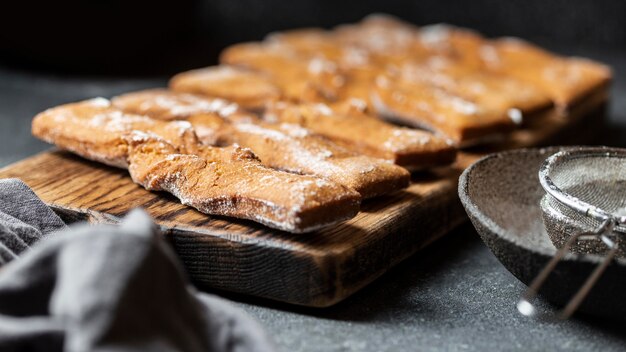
{"x":569,"y":200}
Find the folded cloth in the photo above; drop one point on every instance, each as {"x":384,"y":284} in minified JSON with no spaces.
{"x":111,"y":288}
{"x":24,"y":219}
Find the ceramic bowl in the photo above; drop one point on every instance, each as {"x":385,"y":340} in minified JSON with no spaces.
{"x":501,"y":194}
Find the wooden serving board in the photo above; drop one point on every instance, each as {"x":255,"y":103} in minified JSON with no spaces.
{"x":316,"y":269}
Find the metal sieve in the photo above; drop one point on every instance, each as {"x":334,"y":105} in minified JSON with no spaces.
{"x":584,"y":211}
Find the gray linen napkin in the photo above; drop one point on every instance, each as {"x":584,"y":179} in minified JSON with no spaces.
{"x":24,"y":219}
{"x":106,"y":288}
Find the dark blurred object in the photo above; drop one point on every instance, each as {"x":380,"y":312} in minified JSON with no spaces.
{"x":95,"y":35}
{"x":168,"y":36}
{"x":584,"y":22}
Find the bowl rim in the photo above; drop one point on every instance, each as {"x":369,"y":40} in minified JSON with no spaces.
{"x":476,"y":214}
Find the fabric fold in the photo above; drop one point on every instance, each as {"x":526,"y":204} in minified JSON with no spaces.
{"x":110,"y":288}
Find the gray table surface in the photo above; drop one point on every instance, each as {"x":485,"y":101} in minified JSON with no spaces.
{"x":452,"y":296}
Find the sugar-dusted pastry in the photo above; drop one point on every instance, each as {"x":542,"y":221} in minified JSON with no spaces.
{"x":354,"y":68}
{"x":378,"y":34}
{"x":566,"y":80}
{"x":281,"y":146}
{"x":166,"y":156}
{"x":93,"y":130}
{"x":514,"y":98}
{"x":469,"y":107}
{"x":349,"y":125}
{"x":164,"y":104}
{"x":307,"y":42}
{"x":232,"y":182}
{"x":299,"y":78}
{"x":426,"y":106}
{"x":248,"y":89}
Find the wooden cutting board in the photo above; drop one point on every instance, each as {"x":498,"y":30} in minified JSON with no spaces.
{"x":316,"y":269}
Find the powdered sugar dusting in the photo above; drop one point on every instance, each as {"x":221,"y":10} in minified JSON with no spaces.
{"x":183,"y":105}
{"x":403,"y":137}
{"x":99,"y":102}
{"x":323,"y":109}
{"x":434,"y":35}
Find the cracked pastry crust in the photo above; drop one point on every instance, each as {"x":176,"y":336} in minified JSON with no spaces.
{"x":280,"y":146}
{"x":346,"y":123}
{"x":248,"y":89}
{"x":566,"y":80}
{"x":167,"y":156}
{"x":443,"y":78}
{"x":350,"y":126}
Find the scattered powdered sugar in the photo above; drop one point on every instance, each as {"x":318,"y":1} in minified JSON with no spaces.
{"x":295,"y":131}
{"x":434,"y":35}
{"x":216,"y":73}
{"x":489,"y":55}
{"x":311,"y":156}
{"x":325,"y":154}
{"x":368,"y":168}
{"x":355,"y":57}
{"x":476,"y":87}
{"x":140,"y":136}
{"x":398,"y":96}
{"x":182,"y":124}
{"x":463,"y":106}
{"x":515,"y":115}
{"x":99,"y":102}
{"x":323,"y":109}
{"x":270,"y":117}
{"x":258,"y":130}
{"x":457,"y":103}
{"x":320,"y":65}
{"x":359,"y":104}
{"x":118,"y":121}
{"x":382,"y":81}
{"x":174,"y":157}
{"x":183,"y":105}
{"x":403,"y":137}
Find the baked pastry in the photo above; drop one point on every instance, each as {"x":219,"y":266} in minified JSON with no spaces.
{"x":332,"y":78}
{"x":443,"y":78}
{"x":346,"y":123}
{"x":167,"y":156}
{"x":248,"y":89}
{"x":232,"y":182}
{"x":568,"y":81}
{"x":564,"y":80}
{"x":349,"y":125}
{"x":280,"y":146}
{"x":314,"y":79}
{"x":94,"y":130}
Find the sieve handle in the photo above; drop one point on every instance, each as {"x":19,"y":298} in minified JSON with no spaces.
{"x":525,"y":306}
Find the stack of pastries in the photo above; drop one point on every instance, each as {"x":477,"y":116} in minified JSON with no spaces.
{"x":295,"y":131}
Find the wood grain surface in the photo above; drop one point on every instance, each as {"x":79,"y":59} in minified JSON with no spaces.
{"x":316,"y":269}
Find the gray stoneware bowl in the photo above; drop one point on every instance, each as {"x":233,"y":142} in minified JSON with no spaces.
{"x":501,"y":194}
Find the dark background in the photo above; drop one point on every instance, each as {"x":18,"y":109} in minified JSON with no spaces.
{"x":148,"y":37}
{"x":452,"y":296}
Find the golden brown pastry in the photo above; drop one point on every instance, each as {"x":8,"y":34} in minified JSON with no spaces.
{"x":447,"y":79}
{"x":249,"y":90}
{"x":566,"y":80}
{"x":500,"y":92}
{"x":299,"y":78}
{"x":281,"y":146}
{"x":432,"y":78}
{"x":465,"y":119}
{"x":386,"y":64}
{"x":349,"y":125}
{"x":93,"y":130}
{"x":219,"y":181}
